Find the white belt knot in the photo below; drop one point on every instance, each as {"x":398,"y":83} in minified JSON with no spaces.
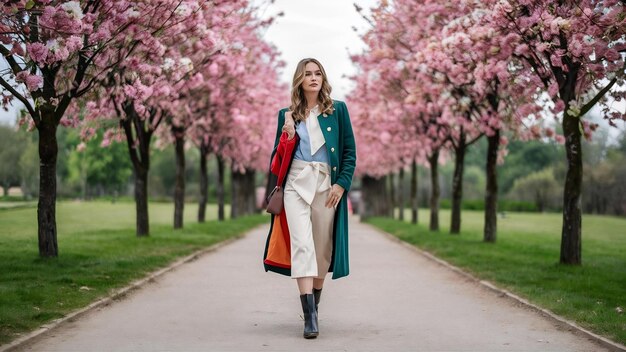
{"x":306,"y":183}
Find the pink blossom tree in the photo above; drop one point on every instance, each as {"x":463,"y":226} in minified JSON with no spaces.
{"x":378,"y":134}
{"x":233,"y":114}
{"x":55,"y":52}
{"x":452,"y":82}
{"x":252,"y":111}
{"x":470,"y":98}
{"x":146,"y":90}
{"x":452,"y":70}
{"x":234,"y":120}
{"x":394,"y":42}
{"x":228,"y":22}
{"x":575,"y":52}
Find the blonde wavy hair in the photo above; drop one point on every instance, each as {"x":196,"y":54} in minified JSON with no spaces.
{"x":298,"y":100}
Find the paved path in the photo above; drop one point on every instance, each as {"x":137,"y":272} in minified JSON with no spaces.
{"x":394,"y":300}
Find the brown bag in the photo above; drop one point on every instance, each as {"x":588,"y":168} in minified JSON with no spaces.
{"x":275,"y":201}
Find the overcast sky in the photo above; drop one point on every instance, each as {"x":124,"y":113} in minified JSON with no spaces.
{"x":321,"y":29}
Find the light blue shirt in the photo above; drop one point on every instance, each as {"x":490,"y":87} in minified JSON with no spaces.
{"x":303,"y":152}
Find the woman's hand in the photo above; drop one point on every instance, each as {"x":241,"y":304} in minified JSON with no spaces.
{"x":334,"y":196}
{"x":289,"y":125}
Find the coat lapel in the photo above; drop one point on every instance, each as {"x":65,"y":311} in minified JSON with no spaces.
{"x":328,"y":124}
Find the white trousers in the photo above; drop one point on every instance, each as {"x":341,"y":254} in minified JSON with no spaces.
{"x":310,"y":221}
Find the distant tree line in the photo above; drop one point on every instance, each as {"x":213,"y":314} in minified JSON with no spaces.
{"x":94,"y":171}
{"x":531,"y":178}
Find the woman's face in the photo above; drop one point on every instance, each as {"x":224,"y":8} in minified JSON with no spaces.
{"x":312,"y":78}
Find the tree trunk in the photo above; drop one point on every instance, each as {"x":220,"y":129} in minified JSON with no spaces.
{"x":491,"y":189}
{"x":392,"y":195}
{"x":204,"y":183}
{"x":250,"y":192}
{"x":138,"y":137}
{"x":46,"y":208}
{"x":237,"y":202}
{"x":414,"y":198}
{"x":401,"y":194}
{"x":457,"y":184}
{"x":433,"y":160}
{"x":571,"y":236}
{"x":220,"y":188}
{"x":179,"y":188}
{"x":243,"y":193}
{"x":141,"y":201}
{"x":5,"y":190}
{"x":375,"y":199}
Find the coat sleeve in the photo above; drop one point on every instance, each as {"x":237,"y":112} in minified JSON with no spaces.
{"x":279,"y":127}
{"x":277,"y":160}
{"x":271,"y":178}
{"x":348,"y":157}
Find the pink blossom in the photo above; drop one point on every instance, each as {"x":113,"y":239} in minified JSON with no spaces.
{"x":612,"y":55}
{"x":522,"y":50}
{"x":555,"y":60}
{"x":213,"y":69}
{"x":37,"y":52}
{"x":145,"y":91}
{"x":61,"y":20}
{"x":102,"y":34}
{"x":130,"y":91}
{"x":559,"y":106}
{"x":541,"y":46}
{"x":553,"y":89}
{"x":560,"y":139}
{"x":535,"y":130}
{"x":33,"y":82}
{"x":17,"y":49}
{"x":67,"y":121}
{"x":239,"y":118}
{"x":141,"y":109}
{"x":73,"y":43}
{"x":576,"y":48}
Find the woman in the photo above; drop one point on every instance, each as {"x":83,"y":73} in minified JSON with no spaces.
{"x":310,"y":236}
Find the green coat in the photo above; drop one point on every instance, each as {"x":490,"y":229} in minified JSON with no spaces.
{"x":341,"y":148}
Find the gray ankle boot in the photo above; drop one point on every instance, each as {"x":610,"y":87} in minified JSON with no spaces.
{"x":310,"y":316}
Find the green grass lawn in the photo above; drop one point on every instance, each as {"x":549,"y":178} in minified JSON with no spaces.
{"x":525,"y":260}
{"x":98,"y":252}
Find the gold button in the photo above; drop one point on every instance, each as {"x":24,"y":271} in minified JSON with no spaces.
{"x":334,"y":168}
{"x":328,"y":129}
{"x":332,"y":150}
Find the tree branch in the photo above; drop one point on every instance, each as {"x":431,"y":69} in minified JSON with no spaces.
{"x":21,"y":98}
{"x":10,"y":59}
{"x":597,"y":98}
{"x":132,"y":148}
{"x":480,"y":135}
